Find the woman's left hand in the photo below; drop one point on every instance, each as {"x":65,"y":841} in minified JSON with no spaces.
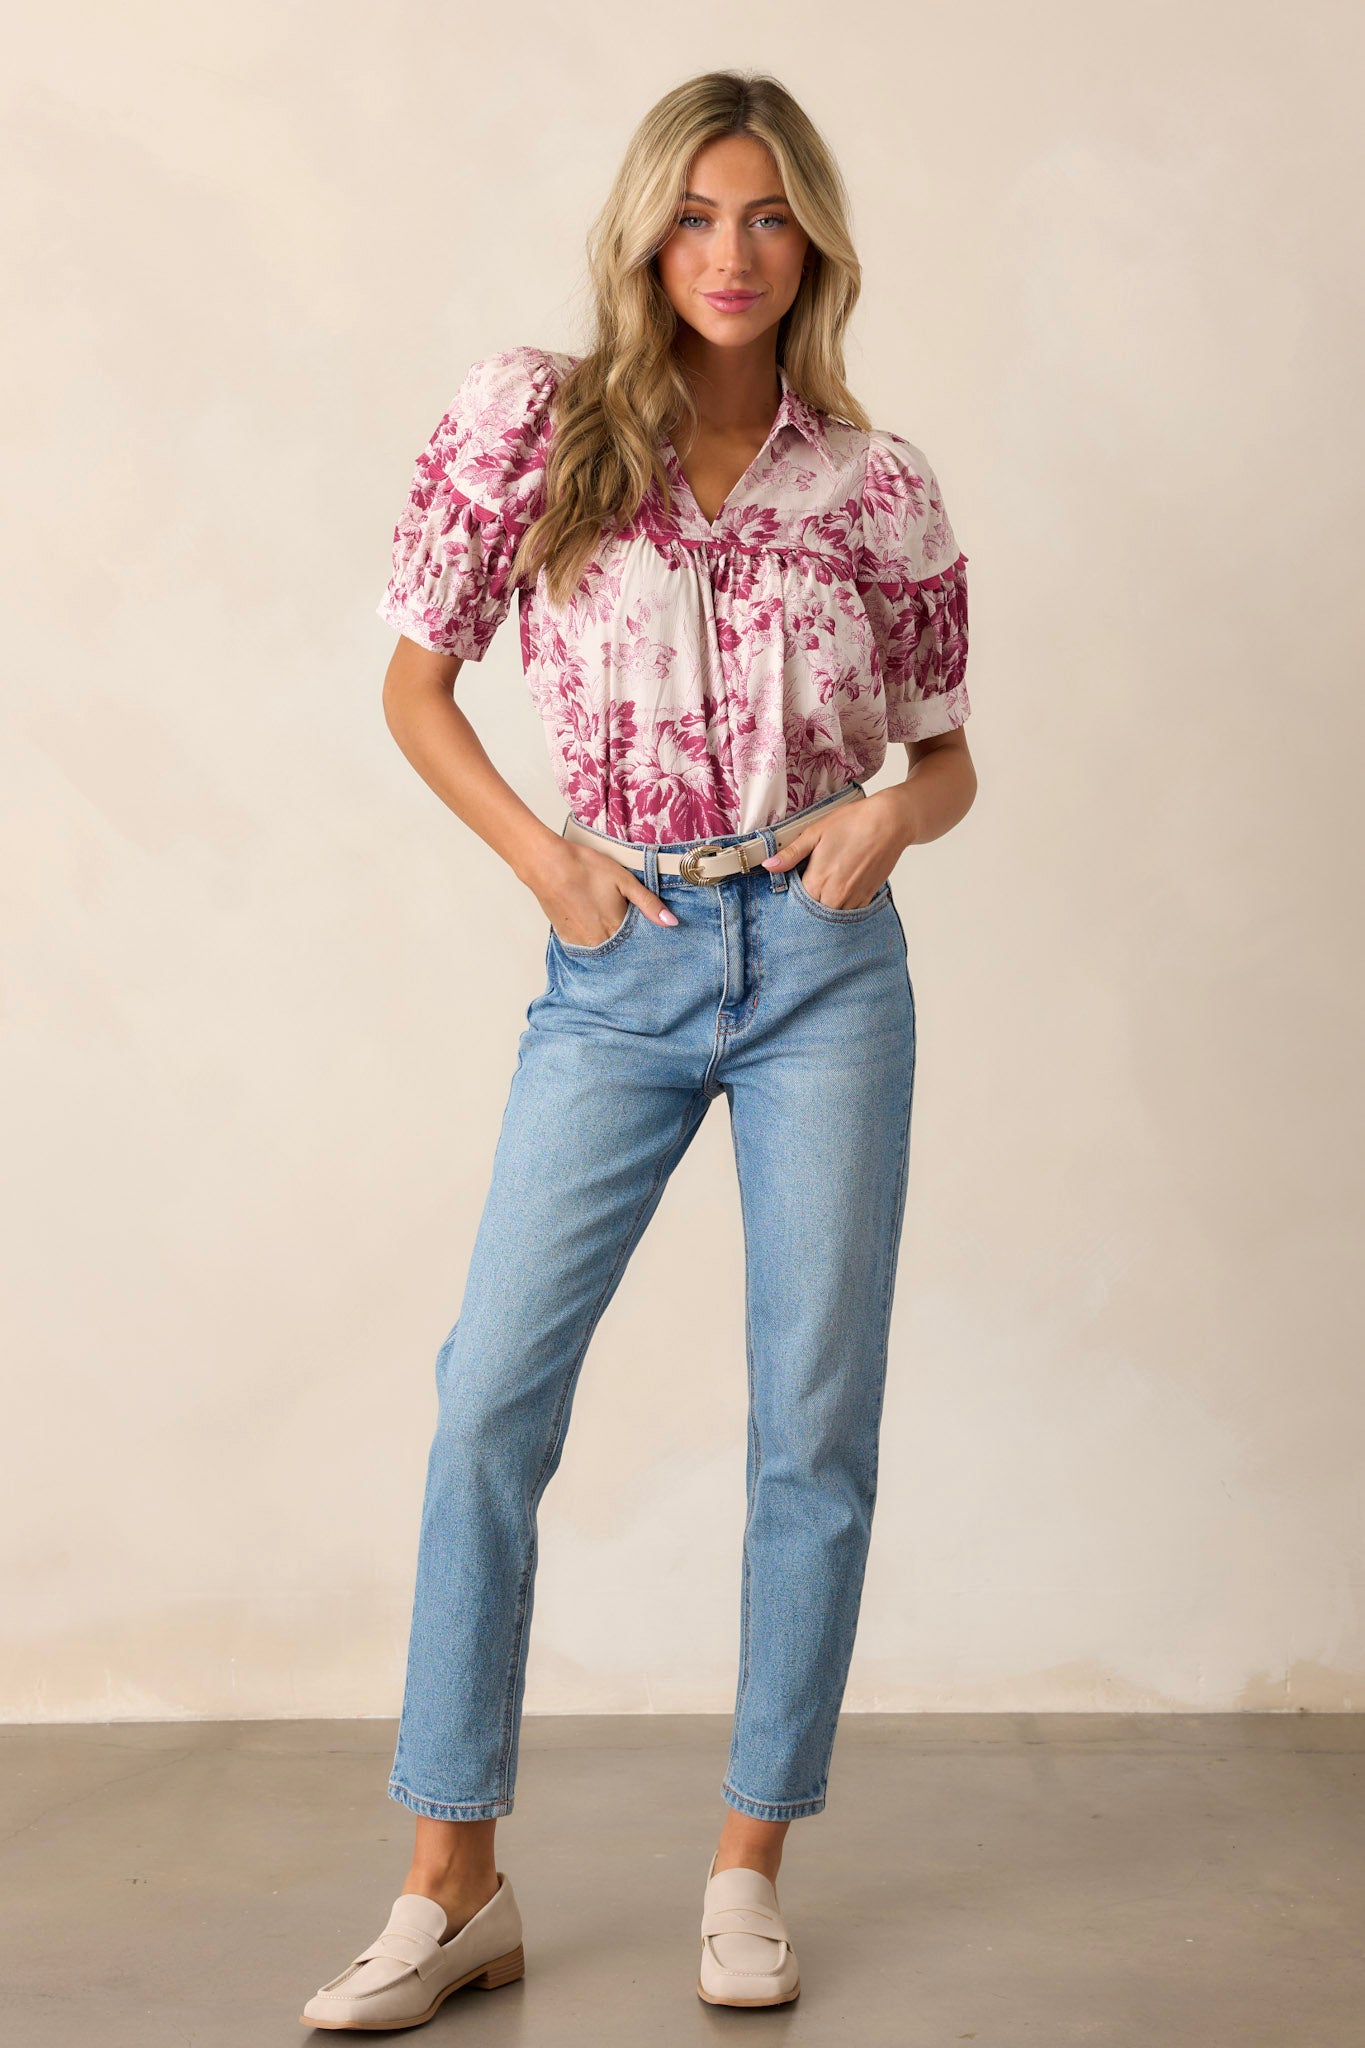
{"x":853,"y":847}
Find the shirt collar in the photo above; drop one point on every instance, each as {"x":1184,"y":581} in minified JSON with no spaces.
{"x":793,"y":411}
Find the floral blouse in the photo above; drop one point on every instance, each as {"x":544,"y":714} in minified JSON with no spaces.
{"x":703,"y":678}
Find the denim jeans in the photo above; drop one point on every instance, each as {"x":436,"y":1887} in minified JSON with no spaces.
{"x":802,"y":1015}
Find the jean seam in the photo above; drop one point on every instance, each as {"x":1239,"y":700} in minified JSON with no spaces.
{"x":696,"y":1110}
{"x":446,"y":1809}
{"x":756,"y":1444}
{"x":863,"y":914}
{"x":608,"y":945}
{"x":888,"y":1301}
{"x":722,"y":1032}
{"x":752,"y":945}
{"x":773,"y":1809}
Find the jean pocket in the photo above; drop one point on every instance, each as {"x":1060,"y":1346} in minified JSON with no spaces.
{"x":607,"y":945}
{"x":827,"y":911}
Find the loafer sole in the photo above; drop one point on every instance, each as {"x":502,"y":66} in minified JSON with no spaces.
{"x":487,"y":1977}
{"x":782,"y":1998}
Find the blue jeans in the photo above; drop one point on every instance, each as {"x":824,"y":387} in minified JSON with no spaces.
{"x":803,"y":1017}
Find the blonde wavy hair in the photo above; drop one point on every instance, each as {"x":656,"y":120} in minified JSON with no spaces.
{"x":629,"y":391}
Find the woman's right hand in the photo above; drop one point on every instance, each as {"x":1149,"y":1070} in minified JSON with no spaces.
{"x":586,"y":895}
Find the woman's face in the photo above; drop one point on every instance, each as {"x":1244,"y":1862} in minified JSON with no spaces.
{"x":732,"y":265}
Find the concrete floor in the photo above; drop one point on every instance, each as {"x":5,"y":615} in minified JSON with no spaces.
{"x":1014,"y":1880}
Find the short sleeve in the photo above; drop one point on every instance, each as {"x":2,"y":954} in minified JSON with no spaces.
{"x":476,"y":487}
{"x":912,"y":580}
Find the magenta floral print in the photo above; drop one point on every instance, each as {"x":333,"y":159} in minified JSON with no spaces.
{"x":704,"y":677}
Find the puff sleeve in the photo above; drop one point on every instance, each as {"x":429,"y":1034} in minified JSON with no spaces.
{"x":476,"y":487}
{"x":913,"y":584}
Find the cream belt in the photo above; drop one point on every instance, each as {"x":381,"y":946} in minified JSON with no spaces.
{"x":706,"y":863}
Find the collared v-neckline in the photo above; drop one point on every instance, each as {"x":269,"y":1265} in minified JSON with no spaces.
{"x":680,"y":475}
{"x":786,"y":415}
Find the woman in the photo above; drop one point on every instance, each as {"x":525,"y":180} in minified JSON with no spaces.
{"x":733,"y":593}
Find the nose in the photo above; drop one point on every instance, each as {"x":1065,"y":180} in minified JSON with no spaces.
{"x":733,"y":254}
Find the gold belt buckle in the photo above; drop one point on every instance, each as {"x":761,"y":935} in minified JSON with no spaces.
{"x":687,"y":867}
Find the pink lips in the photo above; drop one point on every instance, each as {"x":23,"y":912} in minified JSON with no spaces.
{"x":731,"y":302}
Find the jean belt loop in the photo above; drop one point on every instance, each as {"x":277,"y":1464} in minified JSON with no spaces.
{"x":776,"y":876}
{"x":652,"y":869}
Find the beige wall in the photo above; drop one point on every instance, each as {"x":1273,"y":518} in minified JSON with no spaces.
{"x":261,"y":992}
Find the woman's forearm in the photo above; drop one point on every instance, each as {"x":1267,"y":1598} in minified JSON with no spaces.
{"x":437,"y":738}
{"x":939,"y":788}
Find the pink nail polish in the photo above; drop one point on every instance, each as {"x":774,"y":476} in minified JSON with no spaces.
{"x":667,"y":917}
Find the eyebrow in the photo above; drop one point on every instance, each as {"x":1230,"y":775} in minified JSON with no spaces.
{"x":768,"y":199}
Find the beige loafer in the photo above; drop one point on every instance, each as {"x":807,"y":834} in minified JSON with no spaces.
{"x":746,"y":1958}
{"x":405,"y":1973}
